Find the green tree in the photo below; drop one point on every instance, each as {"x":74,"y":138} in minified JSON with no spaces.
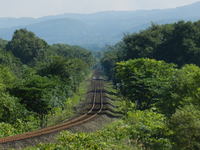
{"x":3,"y":43}
{"x":6,"y":78}
{"x":71,"y":52}
{"x":185,"y":124}
{"x":149,"y":129}
{"x":71,"y":71}
{"x":112,"y":55}
{"x":57,"y":67}
{"x":182,"y":47}
{"x":26,"y":46}
{"x":174,"y":43}
{"x":35,"y":94}
{"x":144,"y":80}
{"x":185,"y":90}
{"x":145,"y":43}
{"x":10,"y":108}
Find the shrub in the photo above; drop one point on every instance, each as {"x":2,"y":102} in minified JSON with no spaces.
{"x":185,"y":124}
{"x":149,"y":129}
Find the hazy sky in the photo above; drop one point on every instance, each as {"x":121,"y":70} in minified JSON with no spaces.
{"x":37,"y":8}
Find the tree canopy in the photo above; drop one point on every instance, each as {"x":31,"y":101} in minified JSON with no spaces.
{"x":26,"y":46}
{"x":36,"y":79}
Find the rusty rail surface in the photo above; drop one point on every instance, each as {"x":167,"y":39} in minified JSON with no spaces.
{"x":92,"y":113}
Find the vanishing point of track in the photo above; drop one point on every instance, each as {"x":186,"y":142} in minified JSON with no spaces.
{"x":97,"y":96}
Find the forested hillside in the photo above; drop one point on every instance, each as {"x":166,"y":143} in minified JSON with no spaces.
{"x":36,"y":80}
{"x":157,"y":72}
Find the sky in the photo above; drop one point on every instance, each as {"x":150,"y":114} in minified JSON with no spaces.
{"x":39,"y":8}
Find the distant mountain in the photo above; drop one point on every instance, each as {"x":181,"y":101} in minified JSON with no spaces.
{"x":96,"y":30}
{"x":10,"y":22}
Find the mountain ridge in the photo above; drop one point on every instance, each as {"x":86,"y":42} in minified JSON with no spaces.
{"x":96,"y":30}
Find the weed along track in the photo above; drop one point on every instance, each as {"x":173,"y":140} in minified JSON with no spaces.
{"x":96,"y":95}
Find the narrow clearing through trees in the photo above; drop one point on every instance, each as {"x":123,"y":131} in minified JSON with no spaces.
{"x":96,"y":95}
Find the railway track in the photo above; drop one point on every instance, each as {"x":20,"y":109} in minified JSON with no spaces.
{"x":97,"y":98}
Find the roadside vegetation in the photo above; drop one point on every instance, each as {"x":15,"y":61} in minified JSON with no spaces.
{"x":157,"y":70}
{"x":156,"y":85}
{"x":156,"y":78}
{"x":133,"y":131}
{"x":38,"y":81}
{"x":59,"y":114}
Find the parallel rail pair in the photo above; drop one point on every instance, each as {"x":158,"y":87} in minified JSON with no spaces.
{"x":92,"y":113}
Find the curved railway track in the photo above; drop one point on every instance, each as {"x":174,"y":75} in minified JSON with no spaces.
{"x":97,"y":97}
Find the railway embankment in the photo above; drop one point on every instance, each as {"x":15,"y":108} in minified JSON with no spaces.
{"x":92,"y":114}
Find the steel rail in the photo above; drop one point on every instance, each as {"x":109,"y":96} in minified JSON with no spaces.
{"x":76,"y":121}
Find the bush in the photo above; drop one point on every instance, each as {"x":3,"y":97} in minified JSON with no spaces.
{"x":149,"y":129}
{"x":141,"y":130}
{"x":185,"y":124}
{"x":6,"y":130}
{"x":144,"y":81}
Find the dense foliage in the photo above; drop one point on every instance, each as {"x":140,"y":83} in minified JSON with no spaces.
{"x":158,"y":69}
{"x":26,"y":46}
{"x":155,"y":72}
{"x":136,"y":131}
{"x":167,"y":90}
{"x":144,"y":80}
{"x":36,"y":79}
{"x":156,"y":76}
{"x":174,"y":43}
